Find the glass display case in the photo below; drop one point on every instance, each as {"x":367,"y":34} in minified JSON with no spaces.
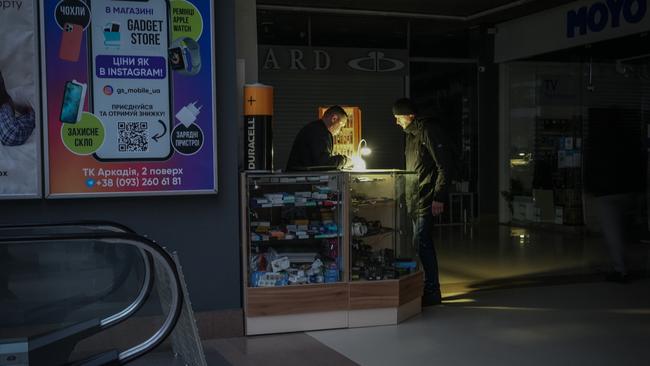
{"x":385,"y":281}
{"x":325,"y":250}
{"x":294,"y":229}
{"x":380,"y":230}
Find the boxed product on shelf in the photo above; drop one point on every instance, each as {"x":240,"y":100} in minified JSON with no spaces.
{"x":261,"y":229}
{"x":274,"y":197}
{"x":300,"y":257}
{"x":301,"y":201}
{"x":269,"y":279}
{"x":277,"y":234}
{"x":407,"y":264}
{"x":280,"y":264}
{"x":332,"y":273}
{"x":325,"y":198}
{"x":298,"y":278}
{"x":276,"y":269}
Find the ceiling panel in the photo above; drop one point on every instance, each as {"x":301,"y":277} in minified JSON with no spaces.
{"x":475,"y":11}
{"x":459,"y":8}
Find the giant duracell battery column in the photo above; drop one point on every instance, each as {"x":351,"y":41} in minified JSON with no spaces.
{"x":258,"y":128}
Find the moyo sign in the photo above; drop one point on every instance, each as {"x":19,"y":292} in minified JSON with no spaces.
{"x":600,"y":15}
{"x":332,"y":60}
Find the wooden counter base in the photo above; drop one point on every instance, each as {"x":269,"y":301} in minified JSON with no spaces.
{"x":329,"y":306}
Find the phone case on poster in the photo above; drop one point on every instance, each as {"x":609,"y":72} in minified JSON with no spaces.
{"x":71,"y":42}
{"x":76,"y":100}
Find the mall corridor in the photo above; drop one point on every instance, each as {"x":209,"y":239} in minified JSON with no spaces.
{"x":512,"y":296}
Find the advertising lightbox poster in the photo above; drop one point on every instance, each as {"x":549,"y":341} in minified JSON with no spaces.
{"x":20,"y":162}
{"x":130,"y":97}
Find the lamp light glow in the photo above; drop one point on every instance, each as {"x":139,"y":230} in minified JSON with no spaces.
{"x":358,"y":163}
{"x":363,"y":150}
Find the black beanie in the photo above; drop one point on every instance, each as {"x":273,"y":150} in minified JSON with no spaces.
{"x":404,"y":107}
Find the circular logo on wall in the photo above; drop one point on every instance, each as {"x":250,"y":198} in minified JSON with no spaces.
{"x":72,"y":12}
{"x":187,"y":140}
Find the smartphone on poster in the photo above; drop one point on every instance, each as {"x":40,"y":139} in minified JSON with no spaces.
{"x":72,"y":104}
{"x":131,"y":86}
{"x":70,"y":46}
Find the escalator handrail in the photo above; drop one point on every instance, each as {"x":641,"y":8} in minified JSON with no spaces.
{"x":139,"y":301}
{"x":145,"y":290}
{"x":142,"y":243}
{"x":109,"y":227}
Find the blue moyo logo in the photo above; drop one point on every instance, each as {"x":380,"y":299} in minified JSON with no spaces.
{"x":600,"y":15}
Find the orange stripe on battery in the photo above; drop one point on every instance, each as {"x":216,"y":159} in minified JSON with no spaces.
{"x":258,"y":100}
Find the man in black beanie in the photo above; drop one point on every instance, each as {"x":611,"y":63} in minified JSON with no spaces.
{"x":429,"y":153}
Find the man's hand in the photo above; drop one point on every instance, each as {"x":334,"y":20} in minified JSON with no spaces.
{"x":437,"y":208}
{"x":348,"y":163}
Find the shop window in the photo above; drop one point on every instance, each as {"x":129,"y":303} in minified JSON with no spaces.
{"x":558,"y":116}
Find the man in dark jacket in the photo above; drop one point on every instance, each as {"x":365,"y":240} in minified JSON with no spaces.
{"x":429,"y":153}
{"x":314,"y":143}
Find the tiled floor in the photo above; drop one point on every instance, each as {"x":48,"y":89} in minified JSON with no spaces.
{"x":277,"y":350}
{"x":273,"y":350}
{"x":592,"y":324}
{"x":582,"y":324}
{"x":167,"y":358}
{"x":547,"y":305}
{"x":482,"y":256}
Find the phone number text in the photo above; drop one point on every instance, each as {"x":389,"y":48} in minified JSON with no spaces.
{"x":140,"y":182}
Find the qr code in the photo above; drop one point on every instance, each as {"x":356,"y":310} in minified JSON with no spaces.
{"x":132,"y":136}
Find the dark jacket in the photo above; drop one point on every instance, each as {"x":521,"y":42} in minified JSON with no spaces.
{"x":313,"y":147}
{"x":430,"y":154}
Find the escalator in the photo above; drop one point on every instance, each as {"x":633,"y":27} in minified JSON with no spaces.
{"x":55,"y":308}
{"x":63,"y":285}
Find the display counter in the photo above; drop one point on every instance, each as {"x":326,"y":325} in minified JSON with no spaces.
{"x":327,"y":250}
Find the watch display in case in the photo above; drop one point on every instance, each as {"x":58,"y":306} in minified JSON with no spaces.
{"x":294,"y":230}
{"x":381,"y":232}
